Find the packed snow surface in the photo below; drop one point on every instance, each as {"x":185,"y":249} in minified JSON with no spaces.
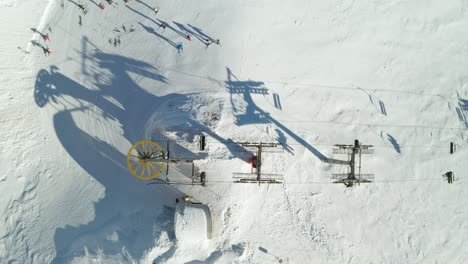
{"x":307,"y":74}
{"x":190,"y":224}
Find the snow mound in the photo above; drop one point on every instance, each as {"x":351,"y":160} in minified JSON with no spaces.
{"x":192,"y":223}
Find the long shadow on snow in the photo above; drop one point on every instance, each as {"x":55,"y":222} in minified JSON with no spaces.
{"x":201,"y":34}
{"x":185,"y":29}
{"x":145,"y":4}
{"x":394,"y":142}
{"x":180,"y":33}
{"x":143,"y":15}
{"x":129,"y":208}
{"x":252,"y":114}
{"x":462,"y":110}
{"x":205,"y":40}
{"x":154,"y":32}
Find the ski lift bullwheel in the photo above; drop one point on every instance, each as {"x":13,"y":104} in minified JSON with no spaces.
{"x":144,"y":160}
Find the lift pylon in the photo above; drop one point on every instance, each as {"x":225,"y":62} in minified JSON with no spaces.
{"x":256,"y":175}
{"x":354,"y":152}
{"x":146,"y":160}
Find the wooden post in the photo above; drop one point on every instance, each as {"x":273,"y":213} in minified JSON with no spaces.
{"x":202,"y":142}
{"x":203,"y":178}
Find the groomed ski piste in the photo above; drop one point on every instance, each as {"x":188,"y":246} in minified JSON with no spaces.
{"x":306,"y":74}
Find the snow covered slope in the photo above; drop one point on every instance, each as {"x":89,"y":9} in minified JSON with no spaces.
{"x":307,"y":74}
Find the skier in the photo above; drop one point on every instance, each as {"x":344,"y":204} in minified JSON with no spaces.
{"x":46,"y":37}
{"x":47,"y":51}
{"x":189,"y":37}
{"x":83,"y":8}
{"x":208,"y":42}
{"x":163,"y":26}
{"x":180,"y":47}
{"x":217,"y":42}
{"x":202,"y":178}
{"x":253,"y":160}
{"x":156,"y":10}
{"x":449,"y":176}
{"x":102,"y":6}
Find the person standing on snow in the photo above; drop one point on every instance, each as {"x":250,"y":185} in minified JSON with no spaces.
{"x":449,"y":175}
{"x":163,"y":26}
{"x":47,"y":51}
{"x":46,"y":37}
{"x":189,"y":37}
{"x":156,"y":10}
{"x":208,"y":42}
{"x":180,"y":47}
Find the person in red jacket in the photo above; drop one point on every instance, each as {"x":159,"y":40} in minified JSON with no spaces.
{"x":46,"y":50}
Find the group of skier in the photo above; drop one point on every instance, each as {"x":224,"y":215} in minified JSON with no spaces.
{"x":45,"y":47}
{"x":207,"y":40}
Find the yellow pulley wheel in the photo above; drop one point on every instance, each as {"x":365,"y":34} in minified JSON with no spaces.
{"x":144,"y":160}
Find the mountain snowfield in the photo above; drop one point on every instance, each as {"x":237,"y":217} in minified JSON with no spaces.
{"x":307,"y":74}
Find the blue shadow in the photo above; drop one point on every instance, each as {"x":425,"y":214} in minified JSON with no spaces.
{"x":394,"y":143}
{"x":129,"y":207}
{"x":254,"y":115}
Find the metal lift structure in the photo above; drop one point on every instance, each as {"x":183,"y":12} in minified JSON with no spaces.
{"x":256,"y":175}
{"x":146,"y":160}
{"x":354,"y":153}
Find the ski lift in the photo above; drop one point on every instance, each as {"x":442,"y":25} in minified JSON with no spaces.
{"x":146,"y":160}
{"x":353,"y":176}
{"x":256,"y":175}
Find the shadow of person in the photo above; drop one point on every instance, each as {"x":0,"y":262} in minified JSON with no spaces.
{"x":154,"y":32}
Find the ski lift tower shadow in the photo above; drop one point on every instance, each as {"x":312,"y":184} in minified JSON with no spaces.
{"x":114,"y":95}
{"x":253,"y":114}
